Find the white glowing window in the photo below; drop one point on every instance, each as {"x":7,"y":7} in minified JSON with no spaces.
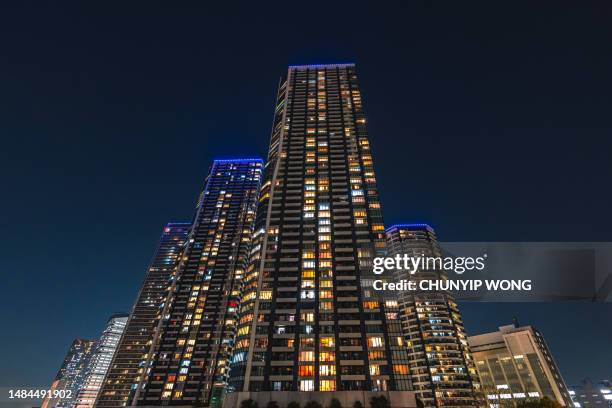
{"x":307,"y":385}
{"x":308,"y":294}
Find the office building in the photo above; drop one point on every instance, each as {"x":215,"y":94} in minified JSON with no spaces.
{"x":71,"y":375}
{"x":514,"y":363}
{"x":310,"y":326}
{"x":189,"y":358}
{"x":100,"y":361}
{"x":442,"y":369}
{"x":127,"y":367}
{"x":592,"y":395}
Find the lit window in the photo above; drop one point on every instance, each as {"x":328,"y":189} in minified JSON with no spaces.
{"x":327,"y":356}
{"x":375,"y":341}
{"x":370,"y":304}
{"x":306,"y":371}
{"x":391,"y":316}
{"x":326,"y":294}
{"x":326,"y":284}
{"x":307,"y":317}
{"x":327,"y":370}
{"x":327,"y":342}
{"x":307,"y":284}
{"x":306,"y":356}
{"x":307,"y":385}
{"x":307,"y":294}
{"x":400,"y":369}
{"x":327,"y":385}
{"x":306,"y":342}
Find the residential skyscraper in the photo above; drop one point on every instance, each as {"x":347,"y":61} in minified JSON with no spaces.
{"x":189,"y":360}
{"x":100,"y":361}
{"x":515,"y":363}
{"x":71,"y":375}
{"x":307,"y":320}
{"x":441,"y":365}
{"x":126,"y":368}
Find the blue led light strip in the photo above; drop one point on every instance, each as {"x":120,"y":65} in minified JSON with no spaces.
{"x":415,"y":225}
{"x":313,"y":66}
{"x":238,"y":160}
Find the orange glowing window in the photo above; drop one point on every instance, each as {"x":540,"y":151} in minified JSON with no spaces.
{"x":306,"y":371}
{"x":400,"y":369}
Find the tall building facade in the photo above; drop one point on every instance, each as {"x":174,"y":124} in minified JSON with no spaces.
{"x":592,"y":395}
{"x":100,"y":361}
{"x":515,"y":364}
{"x":308,"y":321}
{"x":189,"y":360}
{"x":442,"y":368}
{"x":127,"y":366}
{"x":71,"y":374}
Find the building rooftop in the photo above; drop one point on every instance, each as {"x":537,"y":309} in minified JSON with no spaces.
{"x":410,"y":226}
{"x":239,"y":160}
{"x":314,"y":66}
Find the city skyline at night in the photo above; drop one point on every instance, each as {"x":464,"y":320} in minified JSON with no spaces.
{"x":489,"y":124}
{"x":202,"y":327}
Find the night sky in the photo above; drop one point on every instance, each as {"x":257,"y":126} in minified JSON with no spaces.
{"x":490,"y":122}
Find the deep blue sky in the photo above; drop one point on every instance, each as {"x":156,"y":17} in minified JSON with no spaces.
{"x":491,"y":122}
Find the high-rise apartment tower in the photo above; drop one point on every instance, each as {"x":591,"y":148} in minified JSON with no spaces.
{"x":307,"y":320}
{"x":189,"y":359}
{"x":127,"y":366}
{"x":441,"y":365}
{"x":71,"y":375}
{"x":100,"y":361}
